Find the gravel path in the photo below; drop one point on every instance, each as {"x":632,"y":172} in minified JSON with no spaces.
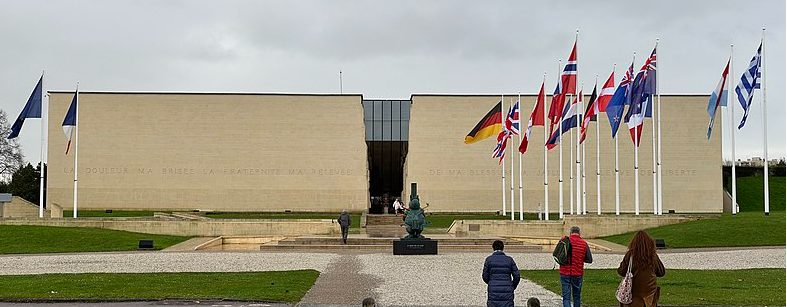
{"x":447,"y":279}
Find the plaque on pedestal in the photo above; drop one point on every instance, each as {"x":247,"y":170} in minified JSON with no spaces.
{"x":415,"y":247}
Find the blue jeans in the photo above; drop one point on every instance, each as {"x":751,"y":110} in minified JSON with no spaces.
{"x":572,"y":286}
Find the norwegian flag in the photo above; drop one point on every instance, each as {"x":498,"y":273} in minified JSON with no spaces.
{"x":536,"y":119}
{"x":512,"y":120}
{"x":590,"y":114}
{"x":500,"y":149}
{"x":568,"y":78}
{"x":606,"y":93}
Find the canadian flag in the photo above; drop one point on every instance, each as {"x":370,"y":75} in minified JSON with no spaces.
{"x":536,"y":119}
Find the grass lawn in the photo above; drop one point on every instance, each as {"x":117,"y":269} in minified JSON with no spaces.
{"x":22,"y":239}
{"x":751,"y":194}
{"x":753,"y":287}
{"x":287,"y":286}
{"x":102,"y":213}
{"x":745,"y":229}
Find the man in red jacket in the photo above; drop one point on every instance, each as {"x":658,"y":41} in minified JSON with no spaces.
{"x":571,"y":274}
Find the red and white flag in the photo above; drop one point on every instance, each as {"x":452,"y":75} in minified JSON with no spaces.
{"x":591,"y":111}
{"x":606,"y":93}
{"x":536,"y":119}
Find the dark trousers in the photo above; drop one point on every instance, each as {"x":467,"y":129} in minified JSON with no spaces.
{"x":572,"y":287}
{"x":345,"y":231}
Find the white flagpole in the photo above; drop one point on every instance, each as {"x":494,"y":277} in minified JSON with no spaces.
{"x":764,"y":125}
{"x":76,"y":149}
{"x":658,"y":157}
{"x":580,"y":173}
{"x":598,"y":159}
{"x":521,"y":204}
{"x":546,"y":165}
{"x":503,"y":162}
{"x":511,"y":105}
{"x":571,"y":171}
{"x":560,"y":142}
{"x":731,"y":107}
{"x":43,"y":150}
{"x":653,"y":143}
{"x":617,"y":178}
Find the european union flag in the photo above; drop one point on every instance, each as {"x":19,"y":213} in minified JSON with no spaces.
{"x":32,"y":109}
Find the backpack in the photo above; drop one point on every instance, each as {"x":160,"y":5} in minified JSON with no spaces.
{"x":562,"y":252}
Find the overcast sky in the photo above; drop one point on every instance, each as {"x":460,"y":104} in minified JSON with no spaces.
{"x":386,"y":49}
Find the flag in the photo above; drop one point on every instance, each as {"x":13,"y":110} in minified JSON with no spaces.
{"x":500,"y":149}
{"x":569,"y":120}
{"x":619,"y":100}
{"x":512,"y":120}
{"x":750,"y":80}
{"x":718,"y":97}
{"x":556,"y":107}
{"x":568,"y":78}
{"x":636,"y":116}
{"x":536,"y":119}
{"x":590,"y":115}
{"x":488,"y":126}
{"x":70,"y":122}
{"x":645,"y":83}
{"x":606,"y":93}
{"x":32,"y":109}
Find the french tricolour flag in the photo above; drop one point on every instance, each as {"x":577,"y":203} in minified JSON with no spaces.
{"x":70,"y":122}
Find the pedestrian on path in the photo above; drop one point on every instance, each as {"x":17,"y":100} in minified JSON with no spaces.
{"x":645,"y":268}
{"x":571,"y":273}
{"x":501,"y":276}
{"x":344,"y":221}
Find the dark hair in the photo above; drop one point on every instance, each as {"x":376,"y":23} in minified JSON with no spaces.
{"x":368,"y":302}
{"x":533,"y":302}
{"x":497,"y":245}
{"x":574,"y":229}
{"x":642,"y":250}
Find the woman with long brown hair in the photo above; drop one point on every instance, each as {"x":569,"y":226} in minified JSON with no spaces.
{"x":645,"y":266}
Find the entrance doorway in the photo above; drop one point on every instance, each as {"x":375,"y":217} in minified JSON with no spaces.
{"x":387,"y":129}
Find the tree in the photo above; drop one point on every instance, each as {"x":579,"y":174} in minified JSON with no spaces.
{"x":11,"y":157}
{"x":25,"y":183}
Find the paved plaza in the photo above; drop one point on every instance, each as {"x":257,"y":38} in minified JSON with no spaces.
{"x":345,"y":279}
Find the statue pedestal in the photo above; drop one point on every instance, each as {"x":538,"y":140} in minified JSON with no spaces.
{"x":415,"y":247}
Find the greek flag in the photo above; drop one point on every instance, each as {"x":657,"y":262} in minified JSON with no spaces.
{"x":750,"y":80}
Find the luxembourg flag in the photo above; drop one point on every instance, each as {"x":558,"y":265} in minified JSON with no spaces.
{"x":70,"y":122}
{"x":718,"y":97}
{"x":569,"y":120}
{"x":536,"y":119}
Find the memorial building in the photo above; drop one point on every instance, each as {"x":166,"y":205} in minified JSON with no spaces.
{"x":327,"y":152}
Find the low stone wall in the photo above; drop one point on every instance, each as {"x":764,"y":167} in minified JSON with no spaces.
{"x":194,"y":227}
{"x":19,"y":208}
{"x":591,"y":226}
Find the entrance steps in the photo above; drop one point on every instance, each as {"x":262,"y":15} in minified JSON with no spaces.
{"x":384,"y":226}
{"x":369,"y":243}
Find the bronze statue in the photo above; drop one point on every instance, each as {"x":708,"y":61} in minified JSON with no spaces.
{"x":415,"y":219}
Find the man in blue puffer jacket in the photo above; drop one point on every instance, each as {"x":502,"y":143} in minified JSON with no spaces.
{"x":501,"y":276}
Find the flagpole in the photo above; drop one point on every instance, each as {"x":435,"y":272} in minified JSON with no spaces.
{"x":658,"y":157}
{"x":519,"y":113}
{"x":560,"y":142}
{"x":43,"y":151}
{"x":511,"y":106}
{"x":76,"y":149}
{"x":580,"y":172}
{"x":598,"y":154}
{"x":617,"y":179}
{"x":546,"y":165}
{"x":579,"y":111}
{"x":503,"y":162}
{"x":764,"y":125}
{"x":731,"y":107}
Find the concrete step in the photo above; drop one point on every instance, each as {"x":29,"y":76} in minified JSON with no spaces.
{"x":324,"y":240}
{"x":441,"y":247}
{"x":383,"y":219}
{"x":385,"y":231}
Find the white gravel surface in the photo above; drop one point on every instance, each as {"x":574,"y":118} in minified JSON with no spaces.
{"x":446,"y":279}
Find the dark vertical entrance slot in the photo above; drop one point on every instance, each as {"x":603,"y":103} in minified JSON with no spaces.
{"x":387,"y":130}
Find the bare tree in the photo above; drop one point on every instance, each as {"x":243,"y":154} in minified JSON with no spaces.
{"x":11,"y":157}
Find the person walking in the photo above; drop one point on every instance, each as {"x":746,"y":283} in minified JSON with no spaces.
{"x":571,"y":273}
{"x":501,"y":276}
{"x":645,"y":268}
{"x":344,"y":221}
{"x":398,"y":206}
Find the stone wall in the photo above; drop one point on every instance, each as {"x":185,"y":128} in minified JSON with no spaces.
{"x":19,"y":207}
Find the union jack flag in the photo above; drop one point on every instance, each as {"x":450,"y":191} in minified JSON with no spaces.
{"x":512,"y":120}
{"x":500,"y":149}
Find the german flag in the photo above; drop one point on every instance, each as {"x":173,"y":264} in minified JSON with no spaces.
{"x":490,"y":125}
